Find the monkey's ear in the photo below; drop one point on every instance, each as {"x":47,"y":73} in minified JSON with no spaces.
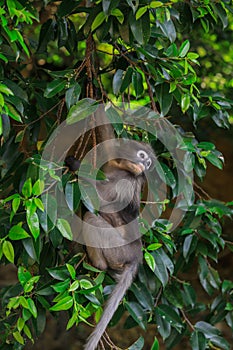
{"x":72,"y":163}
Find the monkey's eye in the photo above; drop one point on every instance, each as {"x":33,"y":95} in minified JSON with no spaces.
{"x":142,"y":154}
{"x":148,"y":163}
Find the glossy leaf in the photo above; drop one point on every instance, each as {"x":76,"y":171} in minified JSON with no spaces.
{"x":164,"y":98}
{"x":64,"y":304}
{"x":33,"y":224}
{"x":184,"y":48}
{"x":170,"y":316}
{"x":138,"y":345}
{"x":117,"y":81}
{"x":81,"y":110}
{"x":98,"y":21}
{"x":137,"y":83}
{"x":72,"y":95}
{"x":8,"y":251}
{"x":27,"y":188}
{"x":54,"y":88}
{"x":32,"y":307}
{"x":155,"y":345}
{"x":17,"y":233}
{"x":64,"y":227}
{"x":127,"y":79}
{"x":137,"y":313}
{"x":198,"y":341}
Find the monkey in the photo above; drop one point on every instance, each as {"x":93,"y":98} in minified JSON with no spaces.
{"x":112,"y":237}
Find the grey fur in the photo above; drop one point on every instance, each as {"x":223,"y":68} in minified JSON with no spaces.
{"x":112,"y":238}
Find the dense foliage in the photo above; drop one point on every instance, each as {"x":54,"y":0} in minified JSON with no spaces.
{"x":56,"y":58}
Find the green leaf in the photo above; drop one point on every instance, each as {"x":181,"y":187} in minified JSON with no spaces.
{"x":32,"y":307}
{"x":72,"y":320}
{"x":90,"y":196}
{"x":65,"y":229}
{"x":72,"y":95}
{"x":32,"y":248}
{"x":138,"y":345}
{"x":81,"y":110}
{"x":215,"y":160}
{"x":13,"y":113}
{"x":74,"y":286}
{"x":15,"y":204}
{"x":17,"y":232}
{"x":155,"y":345}
{"x":27,"y":188}
{"x":117,"y":81}
{"x":8,"y":251}
{"x":207,"y":329}
{"x":29,"y":285}
{"x":38,"y":203}
{"x":71,"y":270}
{"x":72,"y":195}
{"x":127,"y":79}
{"x":118,"y":14}
{"x":164,"y":98}
{"x":189,"y":245}
{"x":184,"y":48}
{"x":137,"y":83}
{"x":61,"y":287}
{"x":164,"y":327}
{"x":48,"y":217}
{"x":168,"y":30}
{"x":143,"y":296}
{"x":62,"y":26}
{"x":27,"y":332}
{"x":137,"y":313}
{"x":18,"y":337}
{"x":99,"y":19}
{"x":154,"y":5}
{"x":150,"y":260}
{"x":115,"y":119}
{"x":38,"y":187}
{"x":23,"y":275}
{"x":163,"y":264}
{"x":136,"y":29}
{"x":54,"y":87}
{"x":154,"y":246}
{"x":47,"y":33}
{"x":171,"y":316}
{"x":33,"y":224}
{"x":185,"y":102}
{"x":167,"y":175}
{"x":198,"y":341}
{"x":20,"y":324}
{"x":59,"y":273}
{"x":140,"y":12}
{"x":63,"y":304}
{"x":220,"y":342}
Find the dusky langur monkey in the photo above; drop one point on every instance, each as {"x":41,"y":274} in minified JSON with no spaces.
{"x":112,"y":237}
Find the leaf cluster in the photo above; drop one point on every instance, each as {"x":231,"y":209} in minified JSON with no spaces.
{"x":56,"y":69}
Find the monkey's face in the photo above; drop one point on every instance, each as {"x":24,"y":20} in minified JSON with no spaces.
{"x":144,"y":160}
{"x":137,"y":161}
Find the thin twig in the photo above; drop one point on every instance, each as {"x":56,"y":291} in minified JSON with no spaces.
{"x":202,"y":190}
{"x":187,"y":320}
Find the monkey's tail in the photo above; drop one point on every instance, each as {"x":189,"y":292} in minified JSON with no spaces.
{"x":114,"y":300}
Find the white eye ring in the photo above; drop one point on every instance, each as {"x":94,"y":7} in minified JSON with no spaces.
{"x":142,"y":154}
{"x":148,"y":163}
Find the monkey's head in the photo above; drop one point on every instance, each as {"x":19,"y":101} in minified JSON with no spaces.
{"x":135,"y":157}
